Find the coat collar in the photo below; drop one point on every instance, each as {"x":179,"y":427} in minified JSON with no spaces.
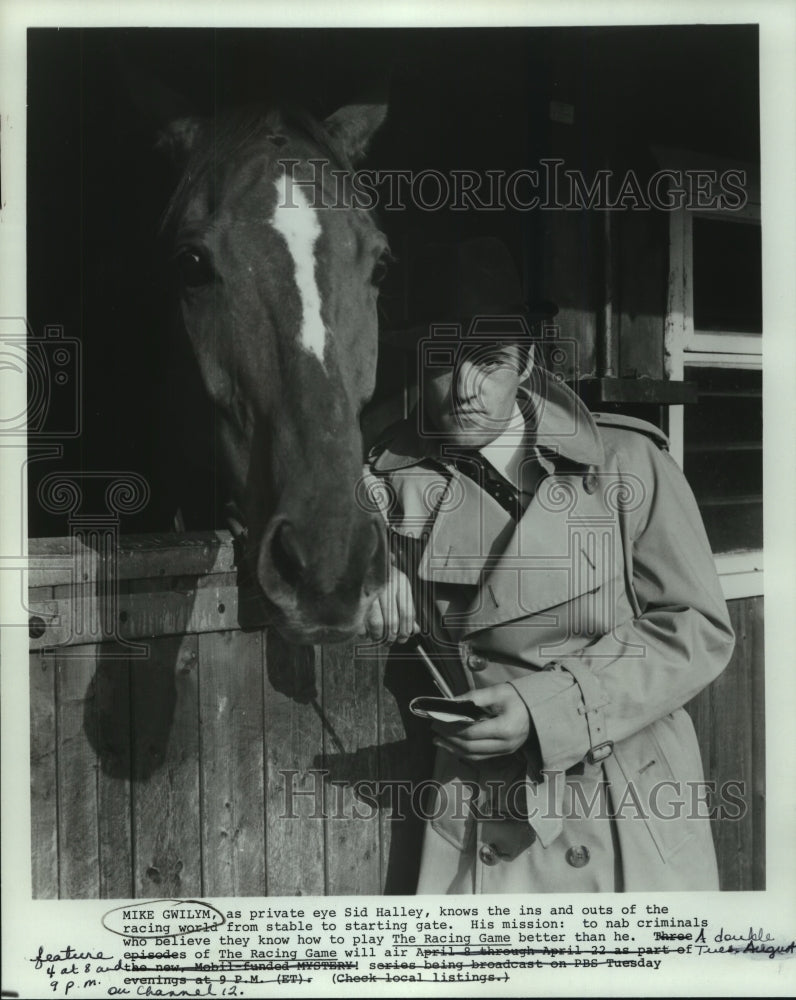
{"x":556,"y":418}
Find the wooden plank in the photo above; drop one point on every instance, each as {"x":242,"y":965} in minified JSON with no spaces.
{"x":608,"y":348}
{"x":113,"y":734}
{"x":405,"y":759}
{"x":52,"y":561}
{"x":731,"y":736}
{"x":166,"y":827}
{"x":595,"y":392}
{"x":350,"y":738}
{"x":678,"y":325}
{"x":729,"y":717}
{"x":42,"y":611}
{"x":78,"y":834}
{"x":81,"y":616}
{"x":43,"y":779}
{"x":758,"y":798}
{"x":205,"y":609}
{"x":231,"y":763}
{"x":702,"y":714}
{"x":294,"y":759}
{"x":699,"y":710}
{"x":642,"y":239}
{"x":201,"y":607}
{"x":187,"y":585}
{"x":572,"y":279}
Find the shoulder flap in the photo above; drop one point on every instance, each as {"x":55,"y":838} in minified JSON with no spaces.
{"x":622,"y":421}
{"x":398,"y":447}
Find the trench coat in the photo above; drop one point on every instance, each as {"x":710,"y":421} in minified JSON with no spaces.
{"x":602,"y":607}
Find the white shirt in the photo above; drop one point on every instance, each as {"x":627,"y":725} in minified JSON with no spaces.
{"x":514,"y":457}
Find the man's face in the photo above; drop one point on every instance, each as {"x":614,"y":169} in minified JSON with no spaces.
{"x":471,"y":402}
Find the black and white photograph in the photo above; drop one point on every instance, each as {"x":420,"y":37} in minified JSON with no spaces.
{"x":392,"y":476}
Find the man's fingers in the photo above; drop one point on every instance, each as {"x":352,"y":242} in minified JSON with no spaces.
{"x":391,"y":616}
{"x":486,"y":729}
{"x":374,"y":623}
{"x":475,"y":751}
{"x":385,"y":618}
{"x":476,"y":746}
{"x":405,"y":607}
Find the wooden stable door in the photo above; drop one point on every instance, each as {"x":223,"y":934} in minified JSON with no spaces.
{"x":175,"y":755}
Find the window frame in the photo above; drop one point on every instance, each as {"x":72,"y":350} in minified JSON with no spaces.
{"x":740,"y":572}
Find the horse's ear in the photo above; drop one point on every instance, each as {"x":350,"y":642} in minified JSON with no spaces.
{"x":352,"y":127}
{"x":179,"y":137}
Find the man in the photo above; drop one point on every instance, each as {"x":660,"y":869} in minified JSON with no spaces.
{"x":556,"y":569}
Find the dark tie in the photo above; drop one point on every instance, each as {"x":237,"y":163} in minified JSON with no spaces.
{"x":477,"y":468}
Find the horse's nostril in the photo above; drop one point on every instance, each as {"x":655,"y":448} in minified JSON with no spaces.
{"x":287,"y":554}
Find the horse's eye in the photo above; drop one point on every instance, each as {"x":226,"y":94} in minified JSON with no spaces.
{"x":194,"y":267}
{"x":380,"y":270}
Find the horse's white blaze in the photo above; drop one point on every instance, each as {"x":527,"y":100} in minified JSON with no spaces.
{"x":295,"y":219}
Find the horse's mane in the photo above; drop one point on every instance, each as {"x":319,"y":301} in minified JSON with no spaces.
{"x":221,"y":137}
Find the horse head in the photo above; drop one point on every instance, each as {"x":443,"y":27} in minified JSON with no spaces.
{"x":277,"y":277}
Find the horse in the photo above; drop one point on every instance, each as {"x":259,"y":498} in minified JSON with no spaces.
{"x":277,"y":282}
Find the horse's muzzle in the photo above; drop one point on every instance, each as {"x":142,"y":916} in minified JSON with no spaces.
{"x":320,"y":592}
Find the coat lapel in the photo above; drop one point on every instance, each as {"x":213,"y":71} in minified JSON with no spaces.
{"x":455,"y":552}
{"x":566,"y":545}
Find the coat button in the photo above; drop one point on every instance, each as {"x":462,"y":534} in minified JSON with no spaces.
{"x":476,"y":662}
{"x":488,"y":854}
{"x":577,"y":856}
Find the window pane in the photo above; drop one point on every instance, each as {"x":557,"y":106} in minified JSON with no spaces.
{"x":727,"y":276}
{"x":734,"y":529}
{"x":730,"y":408}
{"x":723,"y":455}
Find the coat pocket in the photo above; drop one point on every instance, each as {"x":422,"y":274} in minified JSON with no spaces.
{"x":661,"y":765}
{"x":449,"y":808}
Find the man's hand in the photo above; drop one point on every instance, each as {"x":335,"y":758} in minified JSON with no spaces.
{"x":504,"y":732}
{"x":391,"y":616}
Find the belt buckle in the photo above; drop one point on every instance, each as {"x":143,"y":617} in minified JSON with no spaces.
{"x":601,"y":752}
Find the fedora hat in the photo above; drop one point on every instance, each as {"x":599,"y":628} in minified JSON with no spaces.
{"x":453,"y":283}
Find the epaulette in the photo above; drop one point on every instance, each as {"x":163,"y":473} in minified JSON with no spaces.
{"x":382,"y":441}
{"x":626,"y":423}
{"x":374,"y":451}
{"x":398,"y":447}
